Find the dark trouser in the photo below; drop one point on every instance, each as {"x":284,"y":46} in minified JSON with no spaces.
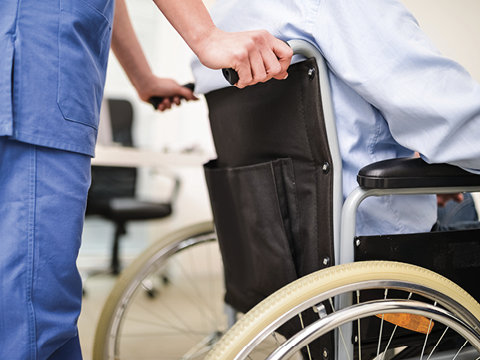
{"x":457,"y":216}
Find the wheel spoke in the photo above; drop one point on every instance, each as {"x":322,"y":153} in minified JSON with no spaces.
{"x":199,"y":300}
{"x":340,"y":331}
{"x":393,"y":333}
{"x":381,"y":328}
{"x":202,"y":347}
{"x":171,"y":311}
{"x":303,"y":327}
{"x":426,"y":336}
{"x":458,"y":352}
{"x":438,"y":342}
{"x":275,"y":338}
{"x":184,"y":319}
{"x":359,"y":332}
{"x":437,"y":305}
{"x":406,"y":335}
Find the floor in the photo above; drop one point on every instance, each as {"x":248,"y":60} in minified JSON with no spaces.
{"x":155,"y":325}
{"x":97,"y":290}
{"x":189,"y":289}
{"x":94,"y":254}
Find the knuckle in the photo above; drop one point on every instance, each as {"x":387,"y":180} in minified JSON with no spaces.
{"x":263,"y":34}
{"x":264,"y":76}
{"x":242,"y":54}
{"x":245,"y":81}
{"x":289,"y":52}
{"x":260,"y":78}
{"x":261,"y":37}
{"x":275,"y":69}
{"x":250,"y":45}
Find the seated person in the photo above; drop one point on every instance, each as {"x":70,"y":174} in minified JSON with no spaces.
{"x":456,"y":213}
{"x":392,"y":91}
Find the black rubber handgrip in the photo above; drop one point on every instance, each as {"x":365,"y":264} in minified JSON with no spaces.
{"x":157,"y":100}
{"x":231,"y":75}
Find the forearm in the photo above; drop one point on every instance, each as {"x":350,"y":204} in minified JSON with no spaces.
{"x":127,"y":49}
{"x":255,"y":55}
{"x":191,"y":20}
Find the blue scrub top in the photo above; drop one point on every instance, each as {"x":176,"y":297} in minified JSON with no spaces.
{"x":52,"y":70}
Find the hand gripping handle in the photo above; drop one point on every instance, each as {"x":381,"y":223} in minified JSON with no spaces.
{"x":231,"y":75}
{"x":157,"y":100}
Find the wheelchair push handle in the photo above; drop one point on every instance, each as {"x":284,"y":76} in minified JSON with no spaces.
{"x":157,"y":100}
{"x":231,"y":75}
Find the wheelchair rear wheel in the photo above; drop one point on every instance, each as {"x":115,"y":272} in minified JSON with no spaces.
{"x":397,"y":311}
{"x":181,"y":313}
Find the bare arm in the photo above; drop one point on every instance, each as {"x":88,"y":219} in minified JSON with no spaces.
{"x":257,"y":56}
{"x":129,"y":53}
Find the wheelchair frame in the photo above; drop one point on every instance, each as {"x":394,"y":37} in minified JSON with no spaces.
{"x":344,"y":220}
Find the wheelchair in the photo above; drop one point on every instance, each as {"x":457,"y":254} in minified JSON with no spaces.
{"x":308,"y":287}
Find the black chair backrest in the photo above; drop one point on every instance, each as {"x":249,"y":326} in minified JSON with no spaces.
{"x":121,"y":115}
{"x":270,"y":187}
{"x":110,"y":182}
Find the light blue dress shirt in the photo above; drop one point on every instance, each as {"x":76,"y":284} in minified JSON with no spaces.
{"x":393,"y":92}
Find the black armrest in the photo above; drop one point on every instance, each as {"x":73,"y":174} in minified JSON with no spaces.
{"x":413,"y":173}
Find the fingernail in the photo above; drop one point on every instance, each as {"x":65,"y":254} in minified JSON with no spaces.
{"x":286,"y":76}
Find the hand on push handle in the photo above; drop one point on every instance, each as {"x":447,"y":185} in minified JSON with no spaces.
{"x":163,"y":93}
{"x":164,"y":98}
{"x":256,"y":56}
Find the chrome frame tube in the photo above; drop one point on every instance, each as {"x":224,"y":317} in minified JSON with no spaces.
{"x":349,"y":223}
{"x":344,"y":214}
{"x":353,"y":201}
{"x":360,"y":311}
{"x":302,"y":47}
{"x":448,"y":303}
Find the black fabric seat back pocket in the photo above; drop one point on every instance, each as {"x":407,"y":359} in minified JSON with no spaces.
{"x":256,"y":219}
{"x":271,"y":184}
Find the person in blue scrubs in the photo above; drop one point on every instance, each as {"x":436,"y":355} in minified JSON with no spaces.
{"x":53,"y":58}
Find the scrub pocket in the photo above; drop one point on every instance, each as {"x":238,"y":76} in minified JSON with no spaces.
{"x":256,"y":218}
{"x":84,"y":43}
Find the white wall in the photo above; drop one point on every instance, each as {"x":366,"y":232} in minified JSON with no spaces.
{"x":452,"y":25}
{"x":168,"y":56}
{"x":174,"y":130}
{"x":454,"y":28}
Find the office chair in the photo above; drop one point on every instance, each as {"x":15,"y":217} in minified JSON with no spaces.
{"x":112,"y":193}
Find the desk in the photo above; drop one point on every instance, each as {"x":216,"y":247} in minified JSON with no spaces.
{"x":133,"y":157}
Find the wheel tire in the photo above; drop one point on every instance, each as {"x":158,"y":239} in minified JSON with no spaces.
{"x":126,"y":292}
{"x":308,"y":291}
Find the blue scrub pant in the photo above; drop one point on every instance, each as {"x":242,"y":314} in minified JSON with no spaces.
{"x":43,"y":194}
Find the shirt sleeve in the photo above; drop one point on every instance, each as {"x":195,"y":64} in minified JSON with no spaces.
{"x":430,"y":102}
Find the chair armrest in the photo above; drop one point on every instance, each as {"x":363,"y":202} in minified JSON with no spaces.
{"x":172,"y":177}
{"x":413,"y":173}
